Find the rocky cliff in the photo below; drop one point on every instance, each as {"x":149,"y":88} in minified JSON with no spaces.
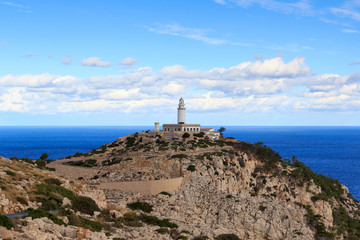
{"x":230,"y":190}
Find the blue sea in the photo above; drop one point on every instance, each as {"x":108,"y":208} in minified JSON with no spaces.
{"x":332,"y":151}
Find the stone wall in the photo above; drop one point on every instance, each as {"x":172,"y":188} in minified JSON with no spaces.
{"x":151,"y":187}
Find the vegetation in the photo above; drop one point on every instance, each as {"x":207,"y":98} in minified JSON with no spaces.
{"x":84,"y":223}
{"x":185,"y":135}
{"x":153,"y":220}
{"x":221,"y":130}
{"x":85,"y":205}
{"x":346,"y":225}
{"x":200,"y":134}
{"x":180,"y":156}
{"x":86,"y":163}
{"x":44,"y":156}
{"x":130,"y":141}
{"x":6,"y":222}
{"x":191,"y":168}
{"x":21,"y":200}
{"x":51,"y":195}
{"x":165,"y":193}
{"x":230,"y":236}
{"x":39,"y":213}
{"x":40,"y":163}
{"x":262,"y":208}
{"x":143,"y":206}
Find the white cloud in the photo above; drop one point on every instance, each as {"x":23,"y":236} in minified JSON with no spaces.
{"x":301,"y":7}
{"x":258,"y":57}
{"x":254,"y":86}
{"x":191,"y":33}
{"x":31,"y":54}
{"x":13,"y":4}
{"x":222,"y":2}
{"x":94,"y":62}
{"x":128,"y":61}
{"x":350,"y":31}
{"x":67,"y":60}
{"x":346,"y":13}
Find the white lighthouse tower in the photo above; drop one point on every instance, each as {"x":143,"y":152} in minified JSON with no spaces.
{"x":181,"y":112}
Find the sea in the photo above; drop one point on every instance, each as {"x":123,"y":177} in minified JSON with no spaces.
{"x":331,"y":151}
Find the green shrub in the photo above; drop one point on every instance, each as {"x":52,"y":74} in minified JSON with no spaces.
{"x":40,"y":163}
{"x":185,"y":135}
{"x":230,"y":236}
{"x":39,"y":213}
{"x":53,"y":181}
{"x":200,"y":134}
{"x":262,"y":208}
{"x":162,"y":230}
{"x":182,"y":237}
{"x":129,"y":219}
{"x":153,"y":220}
{"x":84,"y":223}
{"x":191,"y":168}
{"x":85,"y":205}
{"x":6,"y":222}
{"x":21,"y":200}
{"x":165,"y":193}
{"x":180,"y":156}
{"x":143,"y":206}
{"x":200,"y":238}
{"x":130,"y":141}
{"x":10,"y":173}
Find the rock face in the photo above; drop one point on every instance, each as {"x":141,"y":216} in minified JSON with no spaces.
{"x":228,"y":187}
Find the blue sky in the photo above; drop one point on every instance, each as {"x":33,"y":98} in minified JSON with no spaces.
{"x":236,"y":62}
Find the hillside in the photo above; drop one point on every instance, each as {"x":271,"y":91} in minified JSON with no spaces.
{"x":229,"y":190}
{"x":229,"y":186}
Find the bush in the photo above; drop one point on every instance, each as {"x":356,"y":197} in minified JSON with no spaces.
{"x":39,"y":213}
{"x":143,"y":206}
{"x":191,"y":168}
{"x":262,"y":208}
{"x":53,"y":181}
{"x":40,"y":163}
{"x":230,"y":236}
{"x":6,"y":222}
{"x":200,"y":238}
{"x":162,"y":230}
{"x":85,"y":205}
{"x":21,"y":200}
{"x":200,"y":134}
{"x":165,"y":193}
{"x":10,"y":173}
{"x":130,"y":141}
{"x":84,"y":223}
{"x":180,"y":156}
{"x":185,"y":135}
{"x":153,"y":220}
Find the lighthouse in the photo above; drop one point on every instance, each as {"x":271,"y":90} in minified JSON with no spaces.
{"x":181,"y":111}
{"x":180,"y":127}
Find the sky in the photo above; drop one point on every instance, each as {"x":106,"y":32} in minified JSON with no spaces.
{"x":235,"y":62}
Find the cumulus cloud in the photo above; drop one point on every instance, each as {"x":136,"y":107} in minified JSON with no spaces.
{"x":259,"y":85}
{"x":128,"y":61}
{"x":94,"y":62}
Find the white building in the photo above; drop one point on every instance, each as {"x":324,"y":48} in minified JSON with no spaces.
{"x":181,"y":125}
